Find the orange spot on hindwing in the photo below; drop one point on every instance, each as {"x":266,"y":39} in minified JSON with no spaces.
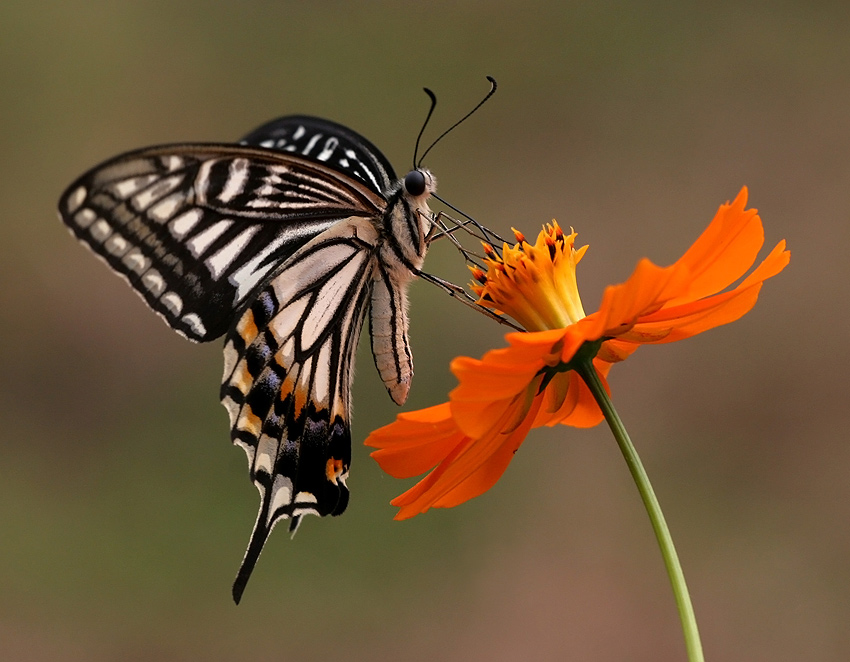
{"x":333,"y":469}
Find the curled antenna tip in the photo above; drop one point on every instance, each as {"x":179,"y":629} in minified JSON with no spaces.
{"x":433,"y":98}
{"x":489,"y":94}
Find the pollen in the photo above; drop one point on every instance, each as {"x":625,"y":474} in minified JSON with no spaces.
{"x":478,"y":275}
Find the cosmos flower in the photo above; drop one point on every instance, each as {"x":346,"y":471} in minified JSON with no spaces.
{"x":468,"y":442}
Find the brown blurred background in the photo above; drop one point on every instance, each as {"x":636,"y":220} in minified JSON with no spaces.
{"x":124,"y":511}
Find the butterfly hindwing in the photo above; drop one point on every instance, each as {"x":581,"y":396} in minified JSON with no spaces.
{"x":196,"y":228}
{"x":287,"y":378}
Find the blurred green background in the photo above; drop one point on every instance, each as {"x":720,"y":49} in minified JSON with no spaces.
{"x":124,"y":511}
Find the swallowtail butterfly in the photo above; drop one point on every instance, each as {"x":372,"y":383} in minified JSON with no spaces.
{"x":282,"y":244}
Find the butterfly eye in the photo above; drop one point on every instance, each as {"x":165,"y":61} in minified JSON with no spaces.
{"x":414,"y":183}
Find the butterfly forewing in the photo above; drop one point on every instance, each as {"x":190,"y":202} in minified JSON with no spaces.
{"x":195,"y":228}
{"x":328,"y":143}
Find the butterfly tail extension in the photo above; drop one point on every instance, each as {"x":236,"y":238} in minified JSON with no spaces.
{"x":308,"y":478}
{"x":259,"y":536}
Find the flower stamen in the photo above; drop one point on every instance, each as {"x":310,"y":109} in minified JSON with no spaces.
{"x":534,"y":283}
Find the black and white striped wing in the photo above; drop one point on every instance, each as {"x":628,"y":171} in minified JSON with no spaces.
{"x":329,"y":143}
{"x":287,"y":379}
{"x":195,"y":229}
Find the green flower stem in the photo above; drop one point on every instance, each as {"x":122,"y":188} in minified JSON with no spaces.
{"x":587,"y":372}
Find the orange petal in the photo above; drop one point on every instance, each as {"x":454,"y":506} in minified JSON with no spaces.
{"x":683,"y":321}
{"x":615,"y":350}
{"x":579,"y":408}
{"x":535,"y":341}
{"x":725,"y":250}
{"x":488,"y":386}
{"x":645,"y":291}
{"x":415,"y":442}
{"x":560,"y":399}
{"x":471,"y":469}
{"x":588,"y":329}
{"x":723,"y":309}
{"x":488,"y":380}
{"x":556,"y":393}
{"x":475,"y":418}
{"x":771,"y":265}
{"x":416,"y":500}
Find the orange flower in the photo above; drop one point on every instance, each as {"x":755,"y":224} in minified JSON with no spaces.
{"x":469,"y":441}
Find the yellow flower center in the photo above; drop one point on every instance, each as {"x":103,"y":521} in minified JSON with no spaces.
{"x":534,"y":284}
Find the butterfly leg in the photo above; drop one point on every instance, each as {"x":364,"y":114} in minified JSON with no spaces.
{"x":440,"y":230}
{"x":464,"y":297}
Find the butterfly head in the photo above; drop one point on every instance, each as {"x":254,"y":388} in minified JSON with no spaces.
{"x":419,"y":184}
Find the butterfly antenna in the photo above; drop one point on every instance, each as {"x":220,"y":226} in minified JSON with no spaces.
{"x":425,"y":123}
{"x":460,"y":121}
{"x":472,"y":258}
{"x":463,"y":296}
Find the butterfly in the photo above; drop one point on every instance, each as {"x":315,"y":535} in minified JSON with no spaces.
{"x":282,"y":244}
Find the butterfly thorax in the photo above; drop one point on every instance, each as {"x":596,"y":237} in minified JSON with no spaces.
{"x":406,"y":225}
